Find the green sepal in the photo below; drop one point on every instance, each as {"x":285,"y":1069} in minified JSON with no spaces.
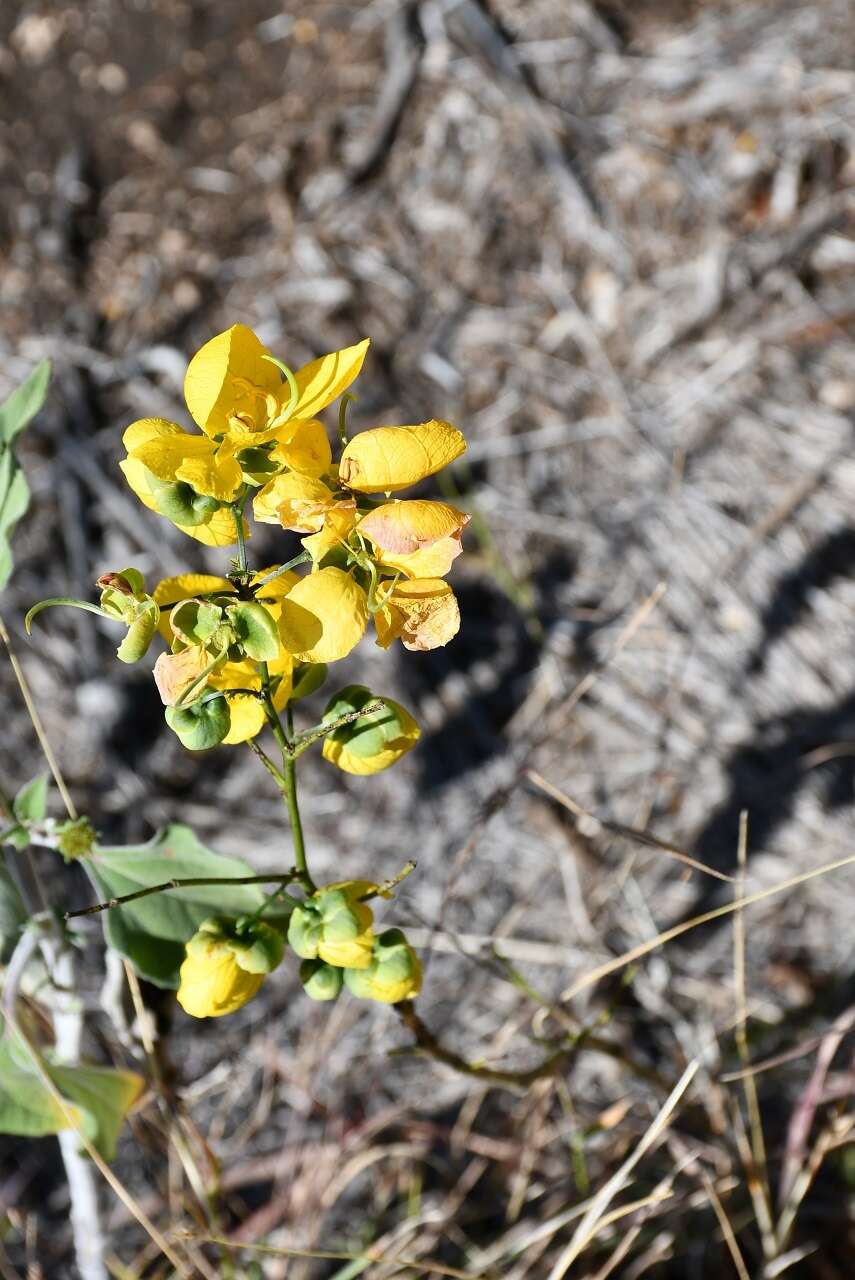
{"x":195,"y":621}
{"x":320,"y":981}
{"x":368,"y":735}
{"x":140,"y":635}
{"x":180,"y":503}
{"x":307,"y":679}
{"x":257,"y":947}
{"x":201,"y":725}
{"x":305,"y":931}
{"x":257,"y":633}
{"x":394,"y":961}
{"x":257,"y":467}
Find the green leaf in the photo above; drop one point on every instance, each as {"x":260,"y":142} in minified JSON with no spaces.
{"x":13,"y":914}
{"x":30,"y":804}
{"x":97,"y":1098}
{"x":152,"y":931}
{"x":24,"y":403}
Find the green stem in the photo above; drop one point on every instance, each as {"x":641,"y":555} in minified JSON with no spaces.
{"x":237,"y":512}
{"x":287,"y":779}
{"x":184,"y":883}
{"x":290,"y":767}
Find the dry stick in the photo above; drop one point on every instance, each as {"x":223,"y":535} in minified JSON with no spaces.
{"x":552,"y":1064}
{"x":644,"y":948}
{"x":726,"y":1229}
{"x":596,"y":1214}
{"x":333,"y":1255}
{"x":758,"y":1170}
{"x":32,"y":711}
{"x":618,"y":829}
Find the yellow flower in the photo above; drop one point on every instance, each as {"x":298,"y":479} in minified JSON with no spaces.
{"x":386,"y":459}
{"x":212,"y":981}
{"x":423,"y":613}
{"x":238,"y":397}
{"x":225,"y":964}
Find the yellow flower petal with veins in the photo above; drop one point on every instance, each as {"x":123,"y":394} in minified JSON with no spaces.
{"x":405,"y":527}
{"x":228,"y":376}
{"x":213,"y":983}
{"x":431,"y":562}
{"x":175,"y":672}
{"x":303,"y":446}
{"x":385,"y":459}
{"x":338,"y":523}
{"x":323,"y":381}
{"x":219,"y":531}
{"x":423,"y":613}
{"x":339,"y":753}
{"x":324,"y":616}
{"x":294,"y":501}
{"x":193,"y":460}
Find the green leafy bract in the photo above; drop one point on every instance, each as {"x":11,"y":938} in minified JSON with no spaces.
{"x":97,"y":1098}
{"x":20,"y":407}
{"x":152,"y":931}
{"x":30,"y":804}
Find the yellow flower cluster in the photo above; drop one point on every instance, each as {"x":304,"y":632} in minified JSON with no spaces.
{"x":262,"y":441}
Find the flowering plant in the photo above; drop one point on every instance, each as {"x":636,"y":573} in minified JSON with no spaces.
{"x":242,"y":649}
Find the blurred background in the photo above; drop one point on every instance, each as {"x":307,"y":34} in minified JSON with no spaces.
{"x":612,"y":241}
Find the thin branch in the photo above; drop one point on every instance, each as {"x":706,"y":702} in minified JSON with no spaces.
{"x":187,"y":883}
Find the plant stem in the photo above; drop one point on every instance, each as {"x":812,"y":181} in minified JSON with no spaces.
{"x":185,"y":883}
{"x":287,"y":779}
{"x":237,"y":512}
{"x":290,"y":793}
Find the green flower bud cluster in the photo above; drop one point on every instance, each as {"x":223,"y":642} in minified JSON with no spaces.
{"x":333,"y":934}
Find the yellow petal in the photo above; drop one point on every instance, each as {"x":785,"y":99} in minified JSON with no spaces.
{"x":171,"y":591}
{"x":424,"y":613}
{"x":431,"y":562}
{"x":338,"y":523}
{"x":277,"y":587}
{"x":219,"y":531}
{"x":388,"y":458}
{"x":175,"y":672}
{"x":323,"y":381}
{"x":324,"y":616}
{"x":355,"y":953}
{"x":405,"y":527}
{"x":147,"y":429}
{"x":213,"y":984}
{"x":303,"y":446}
{"x":194,"y":460}
{"x":220,"y":378}
{"x":294,"y":501}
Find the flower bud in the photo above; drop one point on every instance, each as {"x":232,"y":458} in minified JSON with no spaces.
{"x":371,"y":742}
{"x":320,"y":981}
{"x":334,"y":926}
{"x":394,"y":973}
{"x":181,"y":504}
{"x":225,"y":964}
